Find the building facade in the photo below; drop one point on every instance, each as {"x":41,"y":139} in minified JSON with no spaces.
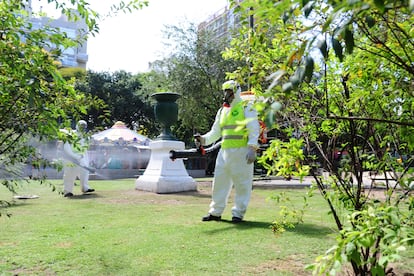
{"x":70,"y":57}
{"x":222,"y":23}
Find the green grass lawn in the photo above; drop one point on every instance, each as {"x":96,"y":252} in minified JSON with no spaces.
{"x":121,"y":231}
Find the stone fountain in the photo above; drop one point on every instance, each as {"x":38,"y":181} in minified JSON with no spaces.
{"x":163,"y":175}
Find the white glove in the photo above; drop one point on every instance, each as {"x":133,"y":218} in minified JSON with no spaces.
{"x":199,"y":140}
{"x":251,"y":154}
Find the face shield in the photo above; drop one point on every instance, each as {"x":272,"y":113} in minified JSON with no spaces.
{"x":230,"y":88}
{"x":228,"y":96}
{"x":82,"y":126}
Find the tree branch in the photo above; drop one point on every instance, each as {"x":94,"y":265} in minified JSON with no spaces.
{"x":351,"y":118}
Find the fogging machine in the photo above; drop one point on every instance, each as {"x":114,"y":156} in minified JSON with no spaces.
{"x":193,"y":153}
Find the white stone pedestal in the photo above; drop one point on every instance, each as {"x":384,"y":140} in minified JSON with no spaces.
{"x":163,"y":175}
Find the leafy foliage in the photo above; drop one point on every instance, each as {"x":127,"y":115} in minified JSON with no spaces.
{"x":35,"y":99}
{"x":284,"y":158}
{"x":381,"y":231}
{"x":121,"y":92}
{"x":343,"y":71}
{"x":289,"y":214}
{"x":195,"y":69}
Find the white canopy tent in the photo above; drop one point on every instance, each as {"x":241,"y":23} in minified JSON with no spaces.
{"x":119,"y":132}
{"x":119,"y":148}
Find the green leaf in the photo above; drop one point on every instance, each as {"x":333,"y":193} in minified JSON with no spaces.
{"x":336,"y":45}
{"x":308,"y":9}
{"x":276,"y":106}
{"x":378,"y":270}
{"x":323,"y":48}
{"x":285,"y":17}
{"x":270,"y":118}
{"x":304,"y":2}
{"x":370,"y":21}
{"x":295,"y":80}
{"x":350,"y":247}
{"x":380,"y":5}
{"x":287,"y":87}
{"x":309,"y":66}
{"x":367,"y":240}
{"x":349,"y":40}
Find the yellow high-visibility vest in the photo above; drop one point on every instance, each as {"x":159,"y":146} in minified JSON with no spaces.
{"x":233,"y":127}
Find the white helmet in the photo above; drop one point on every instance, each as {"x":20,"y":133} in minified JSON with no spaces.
{"x":232,"y":85}
{"x":81,"y":125}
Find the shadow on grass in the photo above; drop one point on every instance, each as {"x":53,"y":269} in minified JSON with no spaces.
{"x":192,"y":193}
{"x":311,"y":230}
{"x":245,"y":225}
{"x":200,"y":195}
{"x":20,"y":202}
{"x":15,"y":203}
{"x":83,"y":196}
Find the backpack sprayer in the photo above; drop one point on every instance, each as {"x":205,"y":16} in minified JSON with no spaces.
{"x":193,"y":153}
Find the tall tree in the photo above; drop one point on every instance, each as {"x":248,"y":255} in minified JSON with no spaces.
{"x":195,"y":69}
{"x":121,"y":92}
{"x":343,"y":71}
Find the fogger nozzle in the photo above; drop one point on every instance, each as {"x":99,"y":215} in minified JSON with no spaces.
{"x":193,"y":153}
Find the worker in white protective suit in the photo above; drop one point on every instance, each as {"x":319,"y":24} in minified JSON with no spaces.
{"x":236,"y":123}
{"x":76,"y":161}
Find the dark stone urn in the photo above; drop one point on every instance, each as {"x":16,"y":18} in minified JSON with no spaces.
{"x":166,"y":113}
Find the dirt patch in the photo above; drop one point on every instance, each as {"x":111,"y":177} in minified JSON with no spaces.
{"x":32,"y":271}
{"x":64,"y":245}
{"x":379,"y":194}
{"x":8,"y":244}
{"x":291,"y":266}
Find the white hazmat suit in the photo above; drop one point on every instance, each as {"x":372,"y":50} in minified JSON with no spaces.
{"x":72,"y":159}
{"x":234,"y":165}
